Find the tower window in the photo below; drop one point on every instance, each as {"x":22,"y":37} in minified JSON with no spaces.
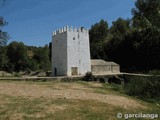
{"x":74,"y":38}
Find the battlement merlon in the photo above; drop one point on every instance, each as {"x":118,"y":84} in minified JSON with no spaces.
{"x":70,"y":29}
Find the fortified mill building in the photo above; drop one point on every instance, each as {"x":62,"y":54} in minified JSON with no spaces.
{"x":71,"y":54}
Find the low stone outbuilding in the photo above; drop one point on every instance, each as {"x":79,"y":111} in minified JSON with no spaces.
{"x":99,"y":66}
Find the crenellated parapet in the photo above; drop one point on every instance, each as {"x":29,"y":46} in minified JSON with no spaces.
{"x":70,"y":29}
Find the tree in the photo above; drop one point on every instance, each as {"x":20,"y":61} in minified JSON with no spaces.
{"x":120,"y":48}
{"x":17,"y":55}
{"x":3,"y":58}
{"x":146,"y":14}
{"x":3,"y":41}
{"x":3,"y":35}
{"x":120,"y":28}
{"x":41,"y":56}
{"x":98,"y":34}
{"x":147,"y":27}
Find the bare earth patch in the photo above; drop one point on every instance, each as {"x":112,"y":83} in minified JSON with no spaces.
{"x":70,"y":91}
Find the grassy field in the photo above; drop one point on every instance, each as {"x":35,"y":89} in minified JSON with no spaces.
{"x":26,"y":100}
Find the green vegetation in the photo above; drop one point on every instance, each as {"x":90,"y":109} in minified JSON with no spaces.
{"x":133,"y":43}
{"x":88,"y":77}
{"x":145,"y":88}
{"x":3,"y":40}
{"x":3,"y":35}
{"x":18,"y":57}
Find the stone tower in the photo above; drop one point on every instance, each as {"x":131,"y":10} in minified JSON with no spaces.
{"x":70,"y":52}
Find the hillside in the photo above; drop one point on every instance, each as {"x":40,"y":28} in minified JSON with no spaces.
{"x":67,"y":100}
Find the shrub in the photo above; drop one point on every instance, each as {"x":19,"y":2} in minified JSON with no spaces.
{"x":154,"y":72}
{"x":16,"y":74}
{"x":115,"y":79}
{"x":144,"y":87}
{"x":102,"y":80}
{"x":88,"y":77}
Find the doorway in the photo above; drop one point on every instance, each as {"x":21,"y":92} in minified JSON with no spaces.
{"x":55,"y":71}
{"x":74,"y":71}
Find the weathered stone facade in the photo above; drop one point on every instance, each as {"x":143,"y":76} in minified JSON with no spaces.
{"x":70,"y":52}
{"x":99,"y":66}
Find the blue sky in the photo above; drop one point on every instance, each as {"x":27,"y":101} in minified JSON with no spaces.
{"x":32,"y":21}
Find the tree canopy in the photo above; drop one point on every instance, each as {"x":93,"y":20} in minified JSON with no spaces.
{"x":3,"y":35}
{"x":146,"y":13}
{"x":98,"y":34}
{"x":133,"y":43}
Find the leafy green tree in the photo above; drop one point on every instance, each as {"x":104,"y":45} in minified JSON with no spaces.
{"x":17,"y":55}
{"x":147,"y":28}
{"x":134,"y":44}
{"x":146,"y":14}
{"x":3,"y":35}
{"x":3,"y":41}
{"x":42,"y":57}
{"x":98,"y":34}
{"x":120,"y":28}
{"x":120,"y":48}
{"x":3,"y":58}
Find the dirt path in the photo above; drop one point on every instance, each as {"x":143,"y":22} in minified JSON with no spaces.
{"x":66,"y":91}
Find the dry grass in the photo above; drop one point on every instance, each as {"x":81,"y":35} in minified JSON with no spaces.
{"x":64,"y":101}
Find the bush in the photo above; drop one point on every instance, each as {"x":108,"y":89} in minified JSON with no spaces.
{"x":115,"y":79}
{"x":102,"y":79}
{"x":144,"y":87}
{"x":154,"y":72}
{"x":16,"y":74}
{"x":88,"y":77}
